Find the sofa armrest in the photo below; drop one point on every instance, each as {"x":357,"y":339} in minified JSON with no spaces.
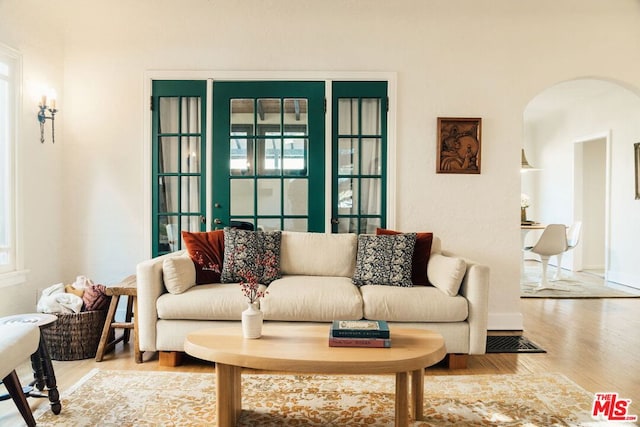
{"x":475,"y":288}
{"x":150,"y":287}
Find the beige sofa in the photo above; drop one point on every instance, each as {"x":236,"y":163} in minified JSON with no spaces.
{"x":316,"y":287}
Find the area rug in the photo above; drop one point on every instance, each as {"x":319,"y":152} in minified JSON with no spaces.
{"x":144,"y":398}
{"x":572,"y":289}
{"x":572,"y":285}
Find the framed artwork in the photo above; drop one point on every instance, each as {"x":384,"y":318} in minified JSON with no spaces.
{"x":458,"y":145}
{"x":636,"y":150}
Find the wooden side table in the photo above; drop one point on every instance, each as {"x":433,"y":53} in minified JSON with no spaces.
{"x":43,"y":373}
{"x":128,"y":288}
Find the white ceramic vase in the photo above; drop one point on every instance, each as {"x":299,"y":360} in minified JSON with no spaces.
{"x":252,"y":321}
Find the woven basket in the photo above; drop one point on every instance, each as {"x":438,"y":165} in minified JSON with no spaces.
{"x":75,"y":336}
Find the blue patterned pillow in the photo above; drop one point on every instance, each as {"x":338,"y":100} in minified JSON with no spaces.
{"x":384,"y":260}
{"x":251,"y":255}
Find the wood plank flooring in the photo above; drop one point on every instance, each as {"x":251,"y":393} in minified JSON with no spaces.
{"x":593,"y":342}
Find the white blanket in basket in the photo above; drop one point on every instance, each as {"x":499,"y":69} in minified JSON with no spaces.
{"x":55,"y":300}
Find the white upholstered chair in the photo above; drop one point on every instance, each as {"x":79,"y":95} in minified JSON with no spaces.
{"x":17,"y":343}
{"x":573,"y":237}
{"x":553,"y":241}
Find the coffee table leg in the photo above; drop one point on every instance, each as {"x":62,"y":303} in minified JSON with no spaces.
{"x":402,"y":399}
{"x":417,"y":394}
{"x":228,"y":394}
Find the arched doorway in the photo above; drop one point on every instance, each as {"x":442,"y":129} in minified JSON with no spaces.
{"x":580,"y":134}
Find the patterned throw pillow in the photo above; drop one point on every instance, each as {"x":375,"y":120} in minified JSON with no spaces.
{"x":207,"y":253}
{"x":384,"y":260}
{"x":251,"y":255}
{"x":421,"y":254}
{"x":94,"y":298}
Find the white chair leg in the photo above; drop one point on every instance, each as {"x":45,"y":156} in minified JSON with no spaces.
{"x":544,"y":283}
{"x":545,"y":264}
{"x":558,"y":268}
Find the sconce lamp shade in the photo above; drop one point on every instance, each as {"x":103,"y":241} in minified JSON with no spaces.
{"x":525,"y":166}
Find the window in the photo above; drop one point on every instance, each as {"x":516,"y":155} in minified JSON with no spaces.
{"x":8,"y":107}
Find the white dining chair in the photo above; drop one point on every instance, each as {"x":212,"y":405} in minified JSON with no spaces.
{"x":573,"y":237}
{"x":552,"y":241}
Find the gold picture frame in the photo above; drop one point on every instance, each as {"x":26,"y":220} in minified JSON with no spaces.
{"x":459,"y":145}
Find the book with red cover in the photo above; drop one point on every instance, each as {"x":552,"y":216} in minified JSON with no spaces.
{"x":359,"y":342}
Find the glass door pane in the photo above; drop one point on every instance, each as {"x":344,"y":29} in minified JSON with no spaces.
{"x":266,"y":134}
{"x":359,"y":156}
{"x":178,"y":154}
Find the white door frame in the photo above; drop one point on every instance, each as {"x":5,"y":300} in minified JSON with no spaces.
{"x":578,"y":205}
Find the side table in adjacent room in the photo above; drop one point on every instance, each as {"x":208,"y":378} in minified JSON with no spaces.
{"x":43,"y":373}
{"x":128,"y":288}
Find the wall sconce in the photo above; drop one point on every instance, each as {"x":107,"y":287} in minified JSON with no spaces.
{"x":42,"y":117}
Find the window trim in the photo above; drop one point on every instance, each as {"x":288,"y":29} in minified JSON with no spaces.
{"x":327,"y":76}
{"x":14,"y":273}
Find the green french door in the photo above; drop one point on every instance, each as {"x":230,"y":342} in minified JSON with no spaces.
{"x":178,"y":154}
{"x":359,"y":147}
{"x":268,"y":155}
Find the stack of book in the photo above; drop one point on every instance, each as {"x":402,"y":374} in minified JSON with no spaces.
{"x":359,"y":333}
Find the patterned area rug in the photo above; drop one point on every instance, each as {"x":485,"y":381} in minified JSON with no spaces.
{"x":143,"y":398}
{"x":572,"y":285}
{"x":572,"y":289}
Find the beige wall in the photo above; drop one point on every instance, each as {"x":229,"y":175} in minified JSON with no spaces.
{"x":40,"y":168}
{"x":461,"y":58}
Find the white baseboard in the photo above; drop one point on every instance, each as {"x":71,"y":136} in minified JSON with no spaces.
{"x":505,"y":322}
{"x":623,"y":279}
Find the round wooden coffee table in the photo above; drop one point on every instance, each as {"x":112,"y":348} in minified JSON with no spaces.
{"x":305,"y":349}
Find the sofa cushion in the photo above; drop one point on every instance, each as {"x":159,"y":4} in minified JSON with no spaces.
{"x":384,"y":260}
{"x":178,"y":274}
{"x":207,"y":252}
{"x":421,"y":254}
{"x":415,"y":304}
{"x":446,"y":273}
{"x":251,"y":256}
{"x":204,"y":302}
{"x":318,"y":254}
{"x":312,"y":299}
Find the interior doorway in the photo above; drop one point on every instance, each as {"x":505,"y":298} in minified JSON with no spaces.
{"x":591,"y":204}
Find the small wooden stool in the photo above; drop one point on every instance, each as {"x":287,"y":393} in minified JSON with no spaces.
{"x":129,"y":289}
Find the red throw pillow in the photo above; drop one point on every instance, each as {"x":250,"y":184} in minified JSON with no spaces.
{"x":421,"y":254}
{"x":94,"y":298}
{"x":207,"y":253}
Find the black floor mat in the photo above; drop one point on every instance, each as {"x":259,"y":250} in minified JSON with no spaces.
{"x":511,"y":344}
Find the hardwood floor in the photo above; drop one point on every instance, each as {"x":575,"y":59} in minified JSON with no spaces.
{"x":593,"y":342}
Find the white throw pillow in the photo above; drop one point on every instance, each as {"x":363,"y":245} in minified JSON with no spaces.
{"x":179,"y":274}
{"x":446,"y":273}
